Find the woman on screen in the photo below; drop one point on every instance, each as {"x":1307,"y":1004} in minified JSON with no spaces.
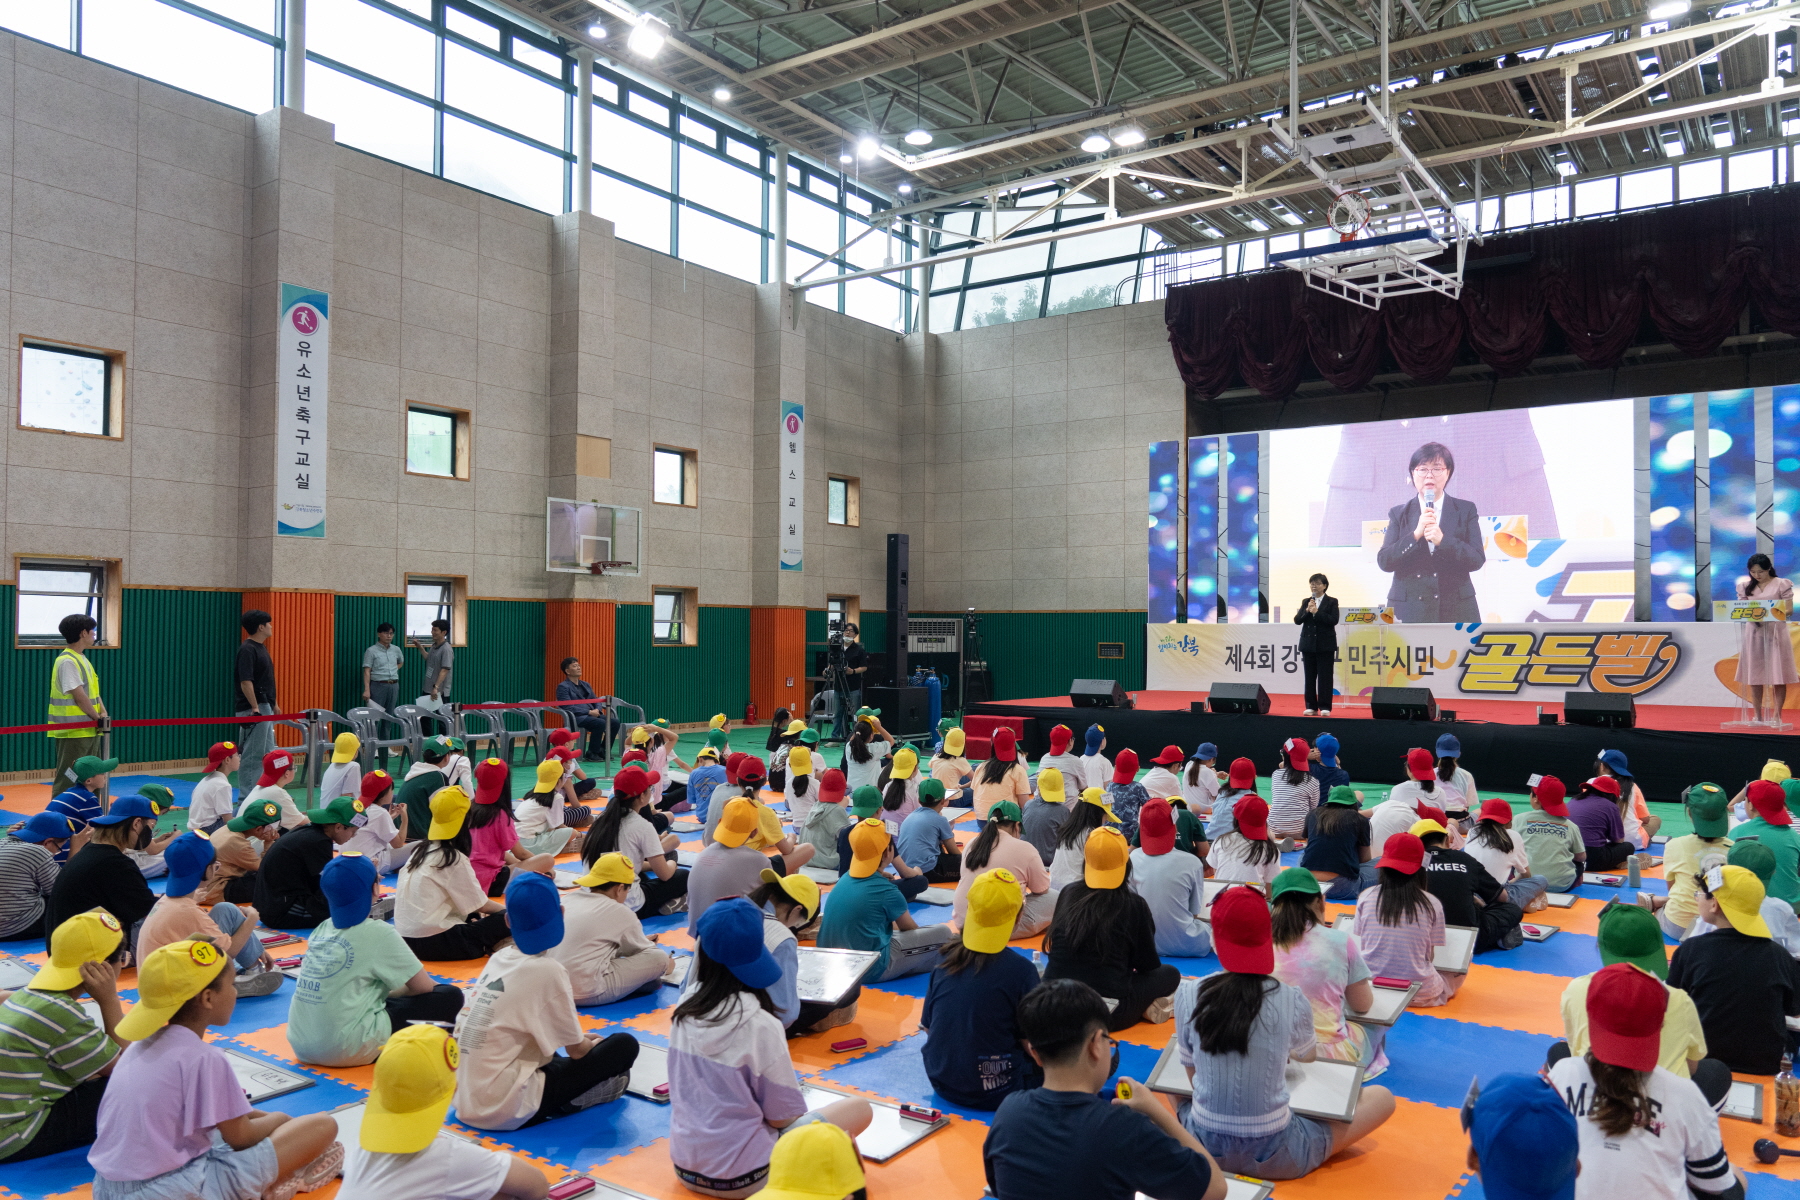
{"x":1433,"y":543}
{"x":1765,"y":655}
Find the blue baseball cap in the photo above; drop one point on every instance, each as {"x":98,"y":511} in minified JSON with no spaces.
{"x":1616,"y":762}
{"x":124,"y":809}
{"x":731,"y":932}
{"x":1206,"y":752}
{"x":348,"y":882}
{"x":1449,"y":747}
{"x":187,"y":858}
{"x":47,"y":826}
{"x":534,"y":910}
{"x":1092,"y":739}
{"x":1327,"y":746}
{"x":1525,"y":1139}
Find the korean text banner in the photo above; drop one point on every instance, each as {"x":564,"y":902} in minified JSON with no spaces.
{"x":302,"y":388}
{"x":1679,"y":663}
{"x":792,"y":541}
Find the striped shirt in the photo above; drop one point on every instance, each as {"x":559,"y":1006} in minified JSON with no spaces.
{"x":27,"y":873}
{"x":1403,"y":951}
{"x":1290,"y":802}
{"x":47,"y":1046}
{"x":79,"y":805}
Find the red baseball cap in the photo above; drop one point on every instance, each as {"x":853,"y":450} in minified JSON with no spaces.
{"x":751,"y":770}
{"x":731,"y":765}
{"x":1241,"y":934}
{"x":1609,"y":785}
{"x":633,"y":755}
{"x":564,"y":753}
{"x":1625,"y":1008}
{"x":1404,"y":853}
{"x":1125,"y":767}
{"x":1427,"y":813}
{"x":1252,"y":817}
{"x":491,"y":779}
{"x":1006,"y":745}
{"x":1296,"y":750}
{"x":1420,"y":763}
{"x":1496,"y":810}
{"x":1549,"y":794}
{"x":275,"y":765}
{"x":374,"y":784}
{"x":1243,"y":773}
{"x":831,"y":787}
{"x":1060,"y":737}
{"x":634,"y":781}
{"x":562,"y":737}
{"x":219,"y":753}
{"x":1156,"y":826}
{"x":1169,"y":757}
{"x":1769,"y":801}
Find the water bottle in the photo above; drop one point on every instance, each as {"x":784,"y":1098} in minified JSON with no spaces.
{"x":1787,"y":1100}
{"x":1632,"y":879}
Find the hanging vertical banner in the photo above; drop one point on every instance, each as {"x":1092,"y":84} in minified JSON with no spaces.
{"x":302,"y":389}
{"x":793,"y":485}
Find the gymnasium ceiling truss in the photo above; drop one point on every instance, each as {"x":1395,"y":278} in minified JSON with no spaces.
{"x":1494,"y":96}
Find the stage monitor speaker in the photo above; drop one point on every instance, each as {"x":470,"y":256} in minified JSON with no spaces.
{"x":1403,"y":704}
{"x":1098,"y":693}
{"x":1596,"y":708}
{"x":905,"y":710}
{"x":1237,"y":698}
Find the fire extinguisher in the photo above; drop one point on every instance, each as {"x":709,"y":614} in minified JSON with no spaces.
{"x":750,"y":713}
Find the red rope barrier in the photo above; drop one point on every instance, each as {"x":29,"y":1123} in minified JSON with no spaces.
{"x":139,"y":724}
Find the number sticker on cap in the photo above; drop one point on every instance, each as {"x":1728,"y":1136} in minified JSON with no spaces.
{"x":452,"y":1055}
{"x":204,"y":954}
{"x":109,"y":921}
{"x":1715,"y":878}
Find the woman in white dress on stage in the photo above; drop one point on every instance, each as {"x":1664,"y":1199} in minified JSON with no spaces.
{"x":1765,"y":655}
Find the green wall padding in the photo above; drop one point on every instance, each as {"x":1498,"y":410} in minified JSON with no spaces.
{"x":354,"y":619}
{"x":504,"y":660}
{"x":1039,"y":653}
{"x":684,"y":683}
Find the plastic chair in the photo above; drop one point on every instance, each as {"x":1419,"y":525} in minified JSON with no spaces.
{"x":479,"y":727}
{"x":368,"y":726}
{"x":412,"y":719}
{"x":321,"y":742}
{"x":520,"y":726}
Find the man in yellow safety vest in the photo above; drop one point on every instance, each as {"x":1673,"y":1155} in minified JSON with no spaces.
{"x":75,"y":696}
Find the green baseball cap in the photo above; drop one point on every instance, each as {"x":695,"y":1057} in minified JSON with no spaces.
{"x":1707,"y":807}
{"x":1297,"y":879}
{"x":1629,"y":934}
{"x":717,"y":740}
{"x":661,"y":722}
{"x":442,"y":744}
{"x":865,"y":802}
{"x":342,"y":811}
{"x":160,"y":797}
{"x":1342,"y":794}
{"x":931,"y":789}
{"x":263,"y":812}
{"x":946,"y":725}
{"x":1790,"y":788}
{"x":87,"y":766}
{"x":866,"y":711}
{"x":809,"y":737}
{"x":1754,"y":857}
{"x":1006,"y":810}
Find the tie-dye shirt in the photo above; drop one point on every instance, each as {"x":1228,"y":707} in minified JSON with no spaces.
{"x":1322,"y":965}
{"x":729,"y":1076}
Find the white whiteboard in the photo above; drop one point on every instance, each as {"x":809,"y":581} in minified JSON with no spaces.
{"x":1386,"y":1007}
{"x":888,"y":1134}
{"x":1560,"y":899}
{"x":1454,"y":956}
{"x":826,"y":976}
{"x":1327,"y":1090}
{"x":650,"y":1069}
{"x":261,"y":1080}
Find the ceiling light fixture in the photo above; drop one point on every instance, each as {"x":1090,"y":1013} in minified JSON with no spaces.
{"x":906,"y":189}
{"x":597,"y":31}
{"x":1096,"y":143}
{"x":1670,"y":9}
{"x":1130,"y":135}
{"x":918,"y":135}
{"x":721,"y":94}
{"x":846,"y":159}
{"x":867,"y":148}
{"x":647,"y":37}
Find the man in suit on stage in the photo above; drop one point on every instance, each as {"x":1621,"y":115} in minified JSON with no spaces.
{"x":1433,"y":544}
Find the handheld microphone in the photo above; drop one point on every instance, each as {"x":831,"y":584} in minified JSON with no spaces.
{"x":1430,"y":497}
{"x":1767,"y":1151}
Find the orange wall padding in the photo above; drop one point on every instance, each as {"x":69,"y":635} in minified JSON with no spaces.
{"x":301,"y":646}
{"x":778,"y":656}
{"x":584,"y":628}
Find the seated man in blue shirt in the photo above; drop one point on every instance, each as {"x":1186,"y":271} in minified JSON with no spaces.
{"x":598,"y":719}
{"x":1062,"y":1140}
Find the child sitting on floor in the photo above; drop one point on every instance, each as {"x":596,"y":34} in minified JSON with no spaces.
{"x":178,"y":917}
{"x":1503,"y":857}
{"x":1000,"y":845}
{"x":1337,"y":844}
{"x":826,"y":819}
{"x":925,"y":842}
{"x":1096,"y":768}
{"x":1171,"y":883}
{"x":1200,"y":780}
{"x":1245,"y":854}
{"x":542,"y":817}
{"x":973,"y":1054}
{"x":440,"y":908}
{"x":1103,"y":935}
{"x":604,"y":949}
{"x":1686,"y":858}
{"x":950,"y":768}
{"x":866,"y":911}
{"x":1400,"y":924}
{"x":1327,"y":966}
{"x":1552,"y":842}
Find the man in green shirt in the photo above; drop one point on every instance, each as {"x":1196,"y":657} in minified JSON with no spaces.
{"x":53,"y":1058}
{"x":1773,"y":826}
{"x":865,"y":909}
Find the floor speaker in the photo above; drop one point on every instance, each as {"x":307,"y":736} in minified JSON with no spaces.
{"x":1237,"y":698}
{"x":905,"y":710}
{"x":1596,"y":708}
{"x":1097,"y":693}
{"x":1403,"y":704}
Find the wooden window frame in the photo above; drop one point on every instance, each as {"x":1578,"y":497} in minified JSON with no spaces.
{"x":462,"y":451}
{"x":852,"y":500}
{"x":112,"y":586}
{"x":459,"y":601}
{"x":690,"y":616}
{"x":690,"y":475}
{"x":115,"y":389}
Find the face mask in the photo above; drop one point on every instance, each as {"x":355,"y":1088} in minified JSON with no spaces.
{"x":146,"y":836}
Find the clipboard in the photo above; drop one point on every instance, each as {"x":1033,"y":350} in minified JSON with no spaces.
{"x":819,"y":874}
{"x":1593,"y":880}
{"x":1536,"y":933}
{"x":1237,"y":1187}
{"x":684,"y":964}
{"x":1388,"y":1004}
{"x":1454,"y":956}
{"x":685,"y":826}
{"x":15,"y":973}
{"x":826,"y":976}
{"x":888,"y":1134}
{"x":1744,"y":1102}
{"x":649,"y":1071}
{"x":263,"y":1080}
{"x":1560,"y":899}
{"x":1326,"y":1090}
{"x":687,"y":858}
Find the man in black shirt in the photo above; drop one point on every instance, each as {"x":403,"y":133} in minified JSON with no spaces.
{"x":856,"y":668}
{"x":288,"y":895}
{"x":101,"y":875}
{"x":1470,"y":895}
{"x":253,"y":691}
{"x":1743,"y":984}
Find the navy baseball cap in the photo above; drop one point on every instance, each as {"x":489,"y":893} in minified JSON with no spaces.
{"x":1327,"y":746}
{"x":1616,"y":762}
{"x":731,"y":932}
{"x":187,"y":858}
{"x":47,"y":826}
{"x":1525,"y":1139}
{"x":534,"y":910}
{"x":348,"y":882}
{"x":124,"y":809}
{"x":1206,"y":753}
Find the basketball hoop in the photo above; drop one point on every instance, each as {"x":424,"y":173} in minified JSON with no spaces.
{"x":1349,"y":215}
{"x":600,"y":568}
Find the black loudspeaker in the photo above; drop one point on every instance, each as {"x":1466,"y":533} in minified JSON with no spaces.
{"x":979,"y":685}
{"x":896,"y":611}
{"x":904,"y":710}
{"x":1403,"y":704}
{"x":1237,"y":698}
{"x":1599,"y":708}
{"x":1097,"y":693}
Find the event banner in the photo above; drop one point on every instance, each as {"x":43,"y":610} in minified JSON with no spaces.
{"x":303,"y":388}
{"x":1679,"y":663}
{"x":793,"y":486}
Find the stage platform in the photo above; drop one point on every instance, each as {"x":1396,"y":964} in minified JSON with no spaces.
{"x":1503,"y":745}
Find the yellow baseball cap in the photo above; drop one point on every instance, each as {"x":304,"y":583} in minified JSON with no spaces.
{"x":717,"y":722}
{"x":1421,"y":828}
{"x":906,"y":761}
{"x":640,"y":735}
{"x":344,"y":747}
{"x":994,"y":902}
{"x":1050,"y":785}
{"x":815,"y":1162}
{"x":793,"y":728}
{"x":86,"y":937}
{"x":415,"y":1080}
{"x":868,"y":842}
{"x":1776,"y":771}
{"x":800,"y":889}
{"x":549,"y":774}
{"x":1097,"y":798}
{"x":800,"y":761}
{"x":737,"y":824}
{"x":168,"y":979}
{"x":954,"y":743}
{"x":1740,"y":894}
{"x":609,"y":868}
{"x":1105,"y":857}
{"x":449,"y":805}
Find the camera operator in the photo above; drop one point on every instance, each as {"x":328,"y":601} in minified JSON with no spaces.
{"x":856,"y":665}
